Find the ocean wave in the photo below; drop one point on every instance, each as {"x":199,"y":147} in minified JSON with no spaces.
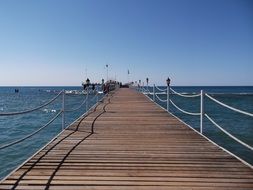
{"x":49,"y":110}
{"x":235,"y":93}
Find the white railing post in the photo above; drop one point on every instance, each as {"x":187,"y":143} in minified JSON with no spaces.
{"x":168,"y":98}
{"x":97,"y":93}
{"x":154,"y":93}
{"x":87,"y":99}
{"x":63,"y":110}
{"x":201,"y":110}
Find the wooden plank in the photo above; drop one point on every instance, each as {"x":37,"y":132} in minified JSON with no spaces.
{"x":135,"y":145}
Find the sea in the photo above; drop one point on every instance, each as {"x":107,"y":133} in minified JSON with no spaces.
{"x":18,"y":126}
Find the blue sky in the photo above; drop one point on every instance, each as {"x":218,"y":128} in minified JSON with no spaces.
{"x":195,"y":42}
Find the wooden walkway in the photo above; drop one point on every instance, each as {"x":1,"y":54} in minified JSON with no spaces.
{"x":135,"y":145}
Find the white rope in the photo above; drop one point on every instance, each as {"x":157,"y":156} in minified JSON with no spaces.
{"x":95,"y":96}
{"x":143,"y":89}
{"x":32,"y":134}
{"x":163,"y":90}
{"x":147,"y":90}
{"x":233,"y":137}
{"x":186,"y":112}
{"x":229,"y":107}
{"x":160,"y":98}
{"x":183,"y":95}
{"x":84,"y":101}
{"x":31,"y":110}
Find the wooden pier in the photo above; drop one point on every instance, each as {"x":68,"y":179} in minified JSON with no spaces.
{"x":128,"y":142}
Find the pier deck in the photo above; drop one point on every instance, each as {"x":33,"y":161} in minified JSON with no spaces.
{"x":135,"y":145}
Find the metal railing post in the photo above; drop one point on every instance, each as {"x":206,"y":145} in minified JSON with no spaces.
{"x":154,"y":93}
{"x":87,"y":99}
{"x":201,"y":110}
{"x":63,"y":110}
{"x":97,"y":93}
{"x":168,"y":98}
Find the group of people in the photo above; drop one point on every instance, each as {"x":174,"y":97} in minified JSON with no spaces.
{"x":106,"y":87}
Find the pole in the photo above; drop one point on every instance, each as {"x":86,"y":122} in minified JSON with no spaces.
{"x":168,"y":98}
{"x":97,"y":93}
{"x":201,"y":110}
{"x":87,"y":100}
{"x":154,"y":93}
{"x":107,"y":72}
{"x":63,"y":110}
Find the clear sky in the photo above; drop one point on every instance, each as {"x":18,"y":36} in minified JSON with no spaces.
{"x":195,"y":42}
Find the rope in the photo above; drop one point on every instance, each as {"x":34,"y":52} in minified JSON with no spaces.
{"x":186,"y":112}
{"x":71,"y":110}
{"x":230,"y":135}
{"x":84,"y":101}
{"x":30,"y":135}
{"x":31,"y":110}
{"x":163,"y":90}
{"x":160,"y":98}
{"x":149,"y":91}
{"x":145,"y":90}
{"x":183,"y":95}
{"x":229,"y":107}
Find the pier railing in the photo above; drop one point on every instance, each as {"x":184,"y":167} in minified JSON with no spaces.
{"x":62,"y":112}
{"x":156,"y":91}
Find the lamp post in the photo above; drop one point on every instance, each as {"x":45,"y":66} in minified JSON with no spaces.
{"x":168,"y":94}
{"x":87,"y":94}
{"x":106,"y":72}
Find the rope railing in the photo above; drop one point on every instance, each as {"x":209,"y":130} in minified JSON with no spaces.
{"x":61,"y":112}
{"x":229,"y":107}
{"x":160,"y":98}
{"x":142,"y":88}
{"x":162,"y":90}
{"x":95,"y":97}
{"x":184,"y":95}
{"x":33,"y":109}
{"x":32,"y":134}
{"x":77,"y":108}
{"x":202,"y":113}
{"x":186,"y":112}
{"x":147,"y":90}
{"x":227,"y":133}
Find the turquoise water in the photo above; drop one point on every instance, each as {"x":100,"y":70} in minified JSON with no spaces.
{"x":15,"y":127}
{"x":235,"y":123}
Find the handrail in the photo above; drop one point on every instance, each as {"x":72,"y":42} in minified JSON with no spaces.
{"x":227,"y":133}
{"x":160,"y":98}
{"x":146,"y":90}
{"x":33,"y":109}
{"x":183,"y":95}
{"x":32,"y":134}
{"x":143,"y":89}
{"x":163,"y":90}
{"x":229,"y":107}
{"x":202,"y":113}
{"x":62,"y":111}
{"x":186,"y":112}
{"x":84,"y":101}
{"x":77,"y":108}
